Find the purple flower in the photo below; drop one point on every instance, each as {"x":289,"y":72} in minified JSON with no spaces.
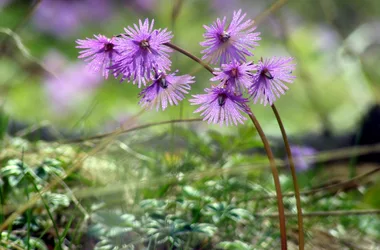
{"x":299,"y":153}
{"x":144,"y":5}
{"x":224,"y":44}
{"x":253,"y":8}
{"x":221,"y":106}
{"x":166,"y":88}
{"x":70,"y":85}
{"x":235,"y":76}
{"x":142,"y":50}
{"x":3,"y":3}
{"x":99,"y":52}
{"x":62,"y":18}
{"x":268,"y":81}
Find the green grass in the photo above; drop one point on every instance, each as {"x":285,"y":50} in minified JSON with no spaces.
{"x":208,"y":196}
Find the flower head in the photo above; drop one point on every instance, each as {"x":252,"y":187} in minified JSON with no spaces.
{"x":235,"y":76}
{"x":99,"y":52}
{"x":225,"y":44}
{"x":166,"y":88}
{"x":268,"y":81}
{"x":63,"y":18}
{"x":299,"y":153}
{"x":221,"y":106}
{"x":71,"y":85}
{"x":142,"y":50}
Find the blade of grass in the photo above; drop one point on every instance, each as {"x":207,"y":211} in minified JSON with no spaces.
{"x":64,"y":233}
{"x":28,"y":212}
{"x":28,"y":218}
{"x":2,"y":203}
{"x":49,"y":213}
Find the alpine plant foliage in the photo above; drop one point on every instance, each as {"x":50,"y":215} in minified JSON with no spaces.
{"x":141,"y":55}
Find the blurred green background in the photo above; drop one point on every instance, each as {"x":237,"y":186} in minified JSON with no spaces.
{"x":174,"y":183}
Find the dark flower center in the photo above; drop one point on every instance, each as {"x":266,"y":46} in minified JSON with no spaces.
{"x":224,"y":36}
{"x":234,"y":72}
{"x":265,"y":72}
{"x":144,"y":44}
{"x":222,"y":99}
{"x":108,"y":47}
{"x":163,"y":83}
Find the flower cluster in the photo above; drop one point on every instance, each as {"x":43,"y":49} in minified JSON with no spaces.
{"x":142,"y":55}
{"x":229,"y":45}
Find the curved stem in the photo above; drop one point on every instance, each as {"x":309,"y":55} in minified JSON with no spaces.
{"x":191,"y":56}
{"x":301,"y":237}
{"x":276,"y":179}
{"x":280,"y":204}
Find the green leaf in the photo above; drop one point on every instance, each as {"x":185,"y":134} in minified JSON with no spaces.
{"x":191,"y":192}
{"x":55,"y":200}
{"x":235,"y":245}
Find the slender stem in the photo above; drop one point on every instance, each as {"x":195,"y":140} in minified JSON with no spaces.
{"x":191,"y":56}
{"x":277,"y":5}
{"x":280,"y":204}
{"x":301,"y":237}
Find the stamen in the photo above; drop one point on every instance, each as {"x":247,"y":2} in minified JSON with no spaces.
{"x":163,"y":83}
{"x":224,"y":36}
{"x":144,"y":44}
{"x":222,"y":99}
{"x":267,"y":74}
{"x":234,"y":72}
{"x":108,"y":47}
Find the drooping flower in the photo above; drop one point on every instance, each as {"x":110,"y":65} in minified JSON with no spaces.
{"x":221,"y":106}
{"x":63,"y":18}
{"x":100,"y":53}
{"x":235,"y":76}
{"x":300,"y":154}
{"x":69,"y":84}
{"x":142,"y":51}
{"x":225,"y":44}
{"x":165,"y":89}
{"x":270,"y":78}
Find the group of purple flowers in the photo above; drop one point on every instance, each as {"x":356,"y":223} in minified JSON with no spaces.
{"x":142,"y":55}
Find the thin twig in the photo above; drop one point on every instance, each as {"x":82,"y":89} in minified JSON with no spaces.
{"x":25,"y":18}
{"x":301,"y":238}
{"x":124,"y":131}
{"x":325,"y":213}
{"x":24,"y":50}
{"x":329,"y":187}
{"x":270,"y":10}
{"x":196,"y":175}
